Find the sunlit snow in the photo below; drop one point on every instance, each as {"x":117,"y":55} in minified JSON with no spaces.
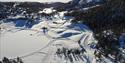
{"x":34,"y":46}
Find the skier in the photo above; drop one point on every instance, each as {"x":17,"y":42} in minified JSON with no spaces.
{"x":45,"y":27}
{"x":44,"y":30}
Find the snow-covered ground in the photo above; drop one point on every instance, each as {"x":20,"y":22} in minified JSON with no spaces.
{"x":34,"y":46}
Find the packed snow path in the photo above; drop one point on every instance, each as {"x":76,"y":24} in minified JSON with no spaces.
{"x":61,"y":34}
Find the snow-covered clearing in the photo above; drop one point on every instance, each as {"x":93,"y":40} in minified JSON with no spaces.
{"x":34,"y":46}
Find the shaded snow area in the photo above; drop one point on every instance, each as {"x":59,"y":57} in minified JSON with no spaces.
{"x":48,"y":41}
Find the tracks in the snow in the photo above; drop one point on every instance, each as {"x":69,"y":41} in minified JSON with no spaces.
{"x":53,"y":39}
